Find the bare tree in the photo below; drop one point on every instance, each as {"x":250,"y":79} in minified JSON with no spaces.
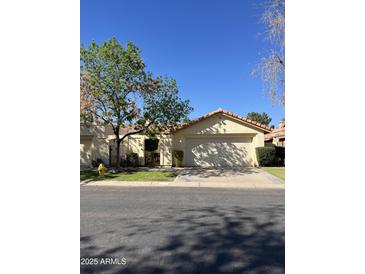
{"x":87,"y":101}
{"x":271,"y":67}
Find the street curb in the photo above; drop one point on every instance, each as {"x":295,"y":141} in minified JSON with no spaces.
{"x":185,"y":184}
{"x":272,"y":177}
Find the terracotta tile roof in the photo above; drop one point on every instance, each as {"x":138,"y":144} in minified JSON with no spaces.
{"x":276,"y":133}
{"x":229,"y":114}
{"x":92,"y":129}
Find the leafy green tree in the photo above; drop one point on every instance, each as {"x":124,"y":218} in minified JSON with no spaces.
{"x":121,"y":93}
{"x":262,"y":118}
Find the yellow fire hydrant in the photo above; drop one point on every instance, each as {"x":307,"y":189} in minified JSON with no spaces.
{"x":101,"y":169}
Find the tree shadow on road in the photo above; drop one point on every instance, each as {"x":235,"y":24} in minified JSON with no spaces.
{"x":205,"y":240}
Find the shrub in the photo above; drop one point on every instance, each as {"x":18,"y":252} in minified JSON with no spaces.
{"x":132,"y":159}
{"x":97,"y":162}
{"x":266,"y":156}
{"x":177,"y":158}
{"x":123,"y":162}
{"x":151,"y":144}
{"x":280,"y":156}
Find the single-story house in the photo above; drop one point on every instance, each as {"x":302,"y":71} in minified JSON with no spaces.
{"x":220,"y":138}
{"x":277,"y":136}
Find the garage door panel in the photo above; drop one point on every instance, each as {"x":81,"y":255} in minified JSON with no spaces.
{"x":219,"y":152}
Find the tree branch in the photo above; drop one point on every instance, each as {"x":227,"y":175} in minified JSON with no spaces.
{"x":136,"y":132}
{"x":102,"y":118}
{"x":280,"y":60}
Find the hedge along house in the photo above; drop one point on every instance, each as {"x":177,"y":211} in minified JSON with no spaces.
{"x":218,"y":139}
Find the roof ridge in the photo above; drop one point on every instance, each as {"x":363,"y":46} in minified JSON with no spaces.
{"x":228,"y":113}
{"x":245,"y":118}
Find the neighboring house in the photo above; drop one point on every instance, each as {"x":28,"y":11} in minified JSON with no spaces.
{"x":97,"y":142}
{"x":277,"y":136}
{"x":220,"y":138}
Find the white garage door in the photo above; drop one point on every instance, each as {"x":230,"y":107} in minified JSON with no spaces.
{"x":85,"y":152}
{"x":219,"y":152}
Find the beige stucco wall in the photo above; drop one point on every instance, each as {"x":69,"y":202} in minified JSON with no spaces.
{"x":99,"y":142}
{"x":99,"y":131}
{"x":135,"y":143}
{"x":85,"y":151}
{"x":165,"y":147}
{"x":219,"y":125}
{"x":279,"y":142}
{"x":215,"y":126}
{"x":101,"y":137}
{"x":258,"y":141}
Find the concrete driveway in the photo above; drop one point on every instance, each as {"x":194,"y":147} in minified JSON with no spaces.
{"x":240,"y":177}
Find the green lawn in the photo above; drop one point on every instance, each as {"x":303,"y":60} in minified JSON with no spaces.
{"x":276,"y":171}
{"x":92,"y":174}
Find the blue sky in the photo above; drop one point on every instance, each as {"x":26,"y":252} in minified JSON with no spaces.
{"x":209,"y":47}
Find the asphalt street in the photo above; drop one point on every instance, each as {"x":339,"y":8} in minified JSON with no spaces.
{"x":181,"y":230}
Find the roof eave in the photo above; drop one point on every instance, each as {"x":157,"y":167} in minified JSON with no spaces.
{"x":229,"y":114}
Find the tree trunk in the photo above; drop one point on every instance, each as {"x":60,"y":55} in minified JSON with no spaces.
{"x":118,"y":141}
{"x":118,"y":153}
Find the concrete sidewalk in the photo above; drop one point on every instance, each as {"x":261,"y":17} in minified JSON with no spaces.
{"x":243,"y":185}
{"x":243,"y":177}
